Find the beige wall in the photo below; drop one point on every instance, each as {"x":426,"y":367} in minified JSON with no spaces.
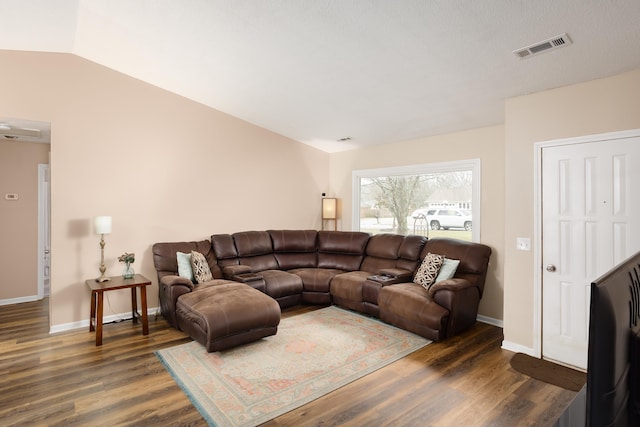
{"x":604,"y":105}
{"x":19,"y":219}
{"x":165,"y":168}
{"x":486,"y":144}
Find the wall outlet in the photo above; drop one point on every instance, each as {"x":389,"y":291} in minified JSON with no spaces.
{"x":523,"y":244}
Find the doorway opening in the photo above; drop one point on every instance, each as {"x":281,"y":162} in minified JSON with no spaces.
{"x":44,"y":233}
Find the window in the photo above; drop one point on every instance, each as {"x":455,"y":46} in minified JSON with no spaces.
{"x":434,"y":200}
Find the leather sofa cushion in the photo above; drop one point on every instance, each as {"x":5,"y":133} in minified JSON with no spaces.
{"x":409,"y":252}
{"x":342,"y":250}
{"x":294,"y":260}
{"x":294,"y":240}
{"x":385,"y":251}
{"x":250,"y":243}
{"x":281,"y":284}
{"x":384,"y":246}
{"x":295,"y":248}
{"x":342,"y":242}
{"x":411,"y":247}
{"x":255,"y":250}
{"x":316,"y":279}
{"x":339,"y":261}
{"x":260,"y":262}
{"x":348,"y":286}
{"x":381,"y":252}
{"x":223,"y":246}
{"x":373,"y":265}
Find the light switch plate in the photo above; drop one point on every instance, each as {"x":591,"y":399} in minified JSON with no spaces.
{"x":11,"y":196}
{"x":523,"y":244}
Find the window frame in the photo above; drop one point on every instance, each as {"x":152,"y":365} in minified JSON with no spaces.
{"x":424,"y":168}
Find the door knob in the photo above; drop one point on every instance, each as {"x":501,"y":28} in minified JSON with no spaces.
{"x":551,"y":268}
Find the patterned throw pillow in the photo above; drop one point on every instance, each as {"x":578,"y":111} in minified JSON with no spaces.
{"x":428,"y":271}
{"x":201,"y":270}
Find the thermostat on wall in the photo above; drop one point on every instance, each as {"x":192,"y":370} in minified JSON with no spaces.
{"x":11,"y":196}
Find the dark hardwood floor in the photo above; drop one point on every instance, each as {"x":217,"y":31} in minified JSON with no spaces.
{"x":65,"y":380}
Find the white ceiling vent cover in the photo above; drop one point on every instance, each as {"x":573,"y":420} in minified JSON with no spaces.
{"x":543,"y":46}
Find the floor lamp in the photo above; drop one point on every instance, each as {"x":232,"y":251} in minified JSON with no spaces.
{"x":329,"y":212}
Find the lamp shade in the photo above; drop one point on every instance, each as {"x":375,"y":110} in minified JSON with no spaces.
{"x":102,"y":224}
{"x":329,"y":208}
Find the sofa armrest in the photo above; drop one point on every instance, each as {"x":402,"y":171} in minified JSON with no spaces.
{"x":247,"y":277}
{"x":241,"y":273}
{"x":234,"y":270}
{"x":453,"y":285}
{"x":451,"y":292}
{"x":171,"y":287}
{"x":385,"y":280}
{"x":461,"y":298}
{"x":171,"y":280}
{"x":397,"y":273}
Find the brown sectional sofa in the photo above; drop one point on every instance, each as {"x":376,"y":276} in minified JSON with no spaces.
{"x":371,"y":274}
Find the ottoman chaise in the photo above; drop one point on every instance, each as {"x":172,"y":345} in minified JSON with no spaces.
{"x":226,"y":315}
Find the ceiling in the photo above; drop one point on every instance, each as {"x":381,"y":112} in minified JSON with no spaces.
{"x":321,"y":71}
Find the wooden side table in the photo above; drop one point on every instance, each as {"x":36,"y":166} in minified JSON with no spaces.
{"x":97,"y":301}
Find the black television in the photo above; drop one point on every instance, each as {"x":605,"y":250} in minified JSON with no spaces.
{"x":614,"y":347}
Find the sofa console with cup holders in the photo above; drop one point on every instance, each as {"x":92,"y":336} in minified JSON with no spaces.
{"x":237,"y":283}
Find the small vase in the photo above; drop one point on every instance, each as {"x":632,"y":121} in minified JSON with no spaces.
{"x":128,"y":272}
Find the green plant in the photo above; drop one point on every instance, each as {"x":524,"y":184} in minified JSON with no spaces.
{"x":127,"y":258}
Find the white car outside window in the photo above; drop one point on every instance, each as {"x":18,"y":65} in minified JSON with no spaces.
{"x":445,"y":218}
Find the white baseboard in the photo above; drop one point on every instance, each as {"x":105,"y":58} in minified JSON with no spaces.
{"x":84,"y":324}
{"x":490,"y":320}
{"x":507,"y":345}
{"x":518,"y":348}
{"x":66,"y":327}
{"x":19,"y":300}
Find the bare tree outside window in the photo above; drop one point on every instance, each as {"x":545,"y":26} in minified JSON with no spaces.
{"x":399,"y":195}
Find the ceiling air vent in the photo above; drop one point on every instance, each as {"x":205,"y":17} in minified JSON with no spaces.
{"x":543,"y":46}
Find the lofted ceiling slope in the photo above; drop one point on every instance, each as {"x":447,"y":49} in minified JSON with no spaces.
{"x":374,"y":71}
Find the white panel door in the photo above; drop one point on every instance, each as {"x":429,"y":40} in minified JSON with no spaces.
{"x":590,"y":222}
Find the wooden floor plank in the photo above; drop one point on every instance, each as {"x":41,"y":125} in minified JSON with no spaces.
{"x":65,"y":380}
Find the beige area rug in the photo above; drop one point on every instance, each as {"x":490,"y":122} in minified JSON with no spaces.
{"x":548,"y":372}
{"x":311,"y":355}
